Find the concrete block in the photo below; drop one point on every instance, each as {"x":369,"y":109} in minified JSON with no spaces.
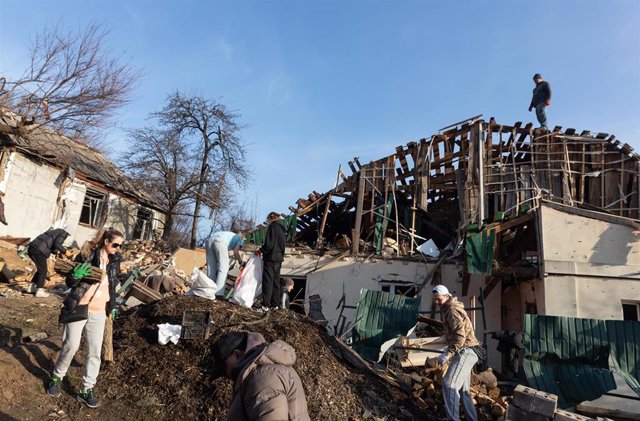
{"x":516,"y":414}
{"x":535,"y":401}
{"x":561,"y":415}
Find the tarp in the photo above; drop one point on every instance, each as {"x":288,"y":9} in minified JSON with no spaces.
{"x":480,"y":250}
{"x":381,"y":316}
{"x":569,"y":356}
{"x":289,"y":222}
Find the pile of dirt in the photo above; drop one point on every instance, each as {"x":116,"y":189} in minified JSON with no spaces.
{"x":174,"y":381}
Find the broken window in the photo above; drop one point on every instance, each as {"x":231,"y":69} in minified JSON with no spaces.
{"x":399,"y":288}
{"x":144,"y":224}
{"x":92,"y":208}
{"x":631,"y":310}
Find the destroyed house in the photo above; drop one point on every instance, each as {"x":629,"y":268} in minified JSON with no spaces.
{"x":50,"y":179}
{"x":512,"y":220}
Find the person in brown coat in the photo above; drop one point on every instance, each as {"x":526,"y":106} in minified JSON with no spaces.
{"x":266,"y":387}
{"x":460,"y":353}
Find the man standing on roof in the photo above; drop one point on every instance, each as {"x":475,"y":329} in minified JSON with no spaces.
{"x":272,"y":252}
{"x":39,"y":251}
{"x":541,"y":99}
{"x":265,"y":384}
{"x":218,"y":248}
{"x":460,"y":340}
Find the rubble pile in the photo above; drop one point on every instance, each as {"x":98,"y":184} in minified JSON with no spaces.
{"x":174,"y":381}
{"x":144,"y":253}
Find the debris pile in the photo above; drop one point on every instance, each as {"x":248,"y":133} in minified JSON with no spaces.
{"x":144,"y":253}
{"x":174,"y":381}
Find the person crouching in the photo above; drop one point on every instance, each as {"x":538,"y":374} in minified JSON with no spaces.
{"x":266,"y":386}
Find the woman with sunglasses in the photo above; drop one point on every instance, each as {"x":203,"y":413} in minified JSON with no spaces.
{"x":101,"y":300}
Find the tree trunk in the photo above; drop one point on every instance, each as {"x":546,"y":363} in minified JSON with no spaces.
{"x":196,"y":214}
{"x":203,"y":178}
{"x":168,"y":226}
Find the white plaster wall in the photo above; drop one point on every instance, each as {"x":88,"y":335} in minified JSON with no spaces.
{"x":122,"y":215}
{"x":578,"y":245}
{"x":31,"y":191}
{"x":588,"y":297}
{"x":84,"y":233}
{"x":74,"y":198}
{"x":159,"y":219}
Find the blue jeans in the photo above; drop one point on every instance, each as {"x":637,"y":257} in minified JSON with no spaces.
{"x":218,"y":264}
{"x":542,"y":115}
{"x":457,"y":382}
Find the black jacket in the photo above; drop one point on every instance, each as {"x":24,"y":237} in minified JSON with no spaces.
{"x":274,"y":242}
{"x":49,"y":242}
{"x":80,"y":288}
{"x":541,"y":93}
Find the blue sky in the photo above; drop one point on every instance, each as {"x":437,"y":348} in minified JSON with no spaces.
{"x":319,"y":82}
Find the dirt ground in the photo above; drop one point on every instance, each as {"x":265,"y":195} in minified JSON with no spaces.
{"x":148,"y":381}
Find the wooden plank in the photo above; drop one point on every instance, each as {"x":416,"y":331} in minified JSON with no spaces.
{"x":355,"y":235}
{"x":590,"y":409}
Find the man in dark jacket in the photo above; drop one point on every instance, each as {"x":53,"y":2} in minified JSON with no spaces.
{"x":39,"y":251}
{"x":266,"y":386}
{"x":541,"y":99}
{"x":272,"y":252}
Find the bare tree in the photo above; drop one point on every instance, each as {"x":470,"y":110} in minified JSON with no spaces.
{"x":213,"y":132}
{"x":73,"y":83}
{"x":159,"y":161}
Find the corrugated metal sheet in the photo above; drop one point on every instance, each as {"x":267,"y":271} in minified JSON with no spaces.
{"x":624,"y":337}
{"x":569,"y":356}
{"x":382,"y":316}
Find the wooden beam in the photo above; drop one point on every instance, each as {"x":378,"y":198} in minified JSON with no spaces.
{"x":355,"y":234}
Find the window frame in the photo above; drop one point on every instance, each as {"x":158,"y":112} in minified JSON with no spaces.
{"x":634,"y":303}
{"x":95,"y":214}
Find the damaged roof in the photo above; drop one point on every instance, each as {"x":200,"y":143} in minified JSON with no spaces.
{"x":469,"y":174}
{"x":65,"y":153}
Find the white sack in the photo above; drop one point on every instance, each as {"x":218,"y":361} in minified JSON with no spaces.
{"x":202,"y":285}
{"x":249,"y":283}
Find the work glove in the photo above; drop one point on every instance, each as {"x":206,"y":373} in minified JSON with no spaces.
{"x":530,"y":108}
{"x":548,"y":102}
{"x":443,"y":358}
{"x":80,"y":271}
{"x":114,"y":314}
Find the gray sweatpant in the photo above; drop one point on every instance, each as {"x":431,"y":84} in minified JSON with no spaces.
{"x":456,"y":381}
{"x":93,"y":329}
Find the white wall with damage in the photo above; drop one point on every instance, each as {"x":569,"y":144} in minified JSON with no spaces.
{"x":31,"y":190}
{"x":577,"y":245}
{"x":31,"y":194}
{"x":590,"y":265}
{"x":588,"y":297}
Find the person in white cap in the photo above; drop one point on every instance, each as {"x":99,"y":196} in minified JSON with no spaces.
{"x":461,"y":340}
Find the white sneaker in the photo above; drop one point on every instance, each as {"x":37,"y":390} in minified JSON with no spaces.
{"x":41,"y":293}
{"x":32,"y":288}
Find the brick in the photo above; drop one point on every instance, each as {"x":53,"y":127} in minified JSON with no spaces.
{"x":535,"y":401}
{"x":516,"y":414}
{"x":561,"y":415}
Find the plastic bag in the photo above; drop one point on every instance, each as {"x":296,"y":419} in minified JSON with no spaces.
{"x":202,"y":285}
{"x":168,"y":333}
{"x":249,"y":283}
